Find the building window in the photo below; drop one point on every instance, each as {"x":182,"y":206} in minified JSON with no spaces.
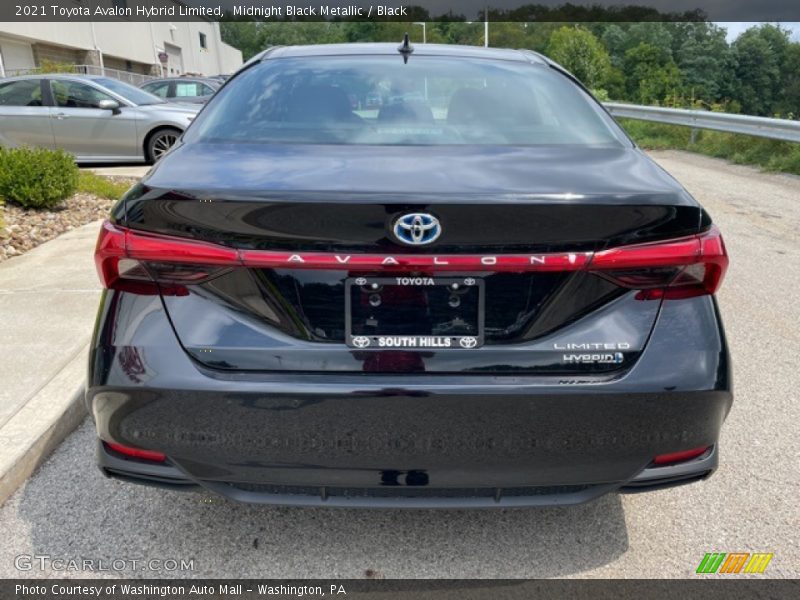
{"x":203,"y":41}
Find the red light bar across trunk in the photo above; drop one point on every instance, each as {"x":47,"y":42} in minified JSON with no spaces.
{"x":116,"y":243}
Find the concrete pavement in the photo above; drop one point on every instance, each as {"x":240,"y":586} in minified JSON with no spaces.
{"x":48,"y":301}
{"x":121,"y":171}
{"x":69,"y":510}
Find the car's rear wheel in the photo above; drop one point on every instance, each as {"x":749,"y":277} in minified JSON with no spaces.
{"x":159,"y":143}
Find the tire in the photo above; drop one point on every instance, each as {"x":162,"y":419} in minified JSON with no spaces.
{"x":159,"y":142}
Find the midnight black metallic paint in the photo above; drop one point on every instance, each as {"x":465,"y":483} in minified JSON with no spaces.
{"x":284,"y":197}
{"x":244,"y":382}
{"x":286,"y":335}
{"x":348,"y":430}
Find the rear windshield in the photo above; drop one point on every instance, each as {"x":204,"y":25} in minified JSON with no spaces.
{"x":381,"y":100}
{"x":127,"y":91}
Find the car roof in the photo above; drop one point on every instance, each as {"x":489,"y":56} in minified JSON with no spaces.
{"x":55,"y":76}
{"x":391,"y":49}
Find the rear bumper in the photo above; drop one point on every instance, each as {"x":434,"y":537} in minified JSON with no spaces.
{"x":171,"y":477}
{"x":414,"y":440}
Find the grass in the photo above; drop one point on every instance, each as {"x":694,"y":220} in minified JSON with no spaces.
{"x":91,"y":183}
{"x":771,"y":155}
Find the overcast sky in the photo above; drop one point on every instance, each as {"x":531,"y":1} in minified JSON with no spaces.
{"x":734,"y":29}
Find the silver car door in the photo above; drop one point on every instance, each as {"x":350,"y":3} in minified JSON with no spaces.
{"x":24,"y":116}
{"x":89,"y":132}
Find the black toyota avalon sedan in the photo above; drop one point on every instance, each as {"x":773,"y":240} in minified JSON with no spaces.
{"x":372,"y":275}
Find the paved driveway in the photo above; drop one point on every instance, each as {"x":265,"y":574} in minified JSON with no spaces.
{"x":68,"y":510}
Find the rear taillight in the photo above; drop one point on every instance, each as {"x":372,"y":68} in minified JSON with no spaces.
{"x":683,"y":268}
{"x":144,"y":263}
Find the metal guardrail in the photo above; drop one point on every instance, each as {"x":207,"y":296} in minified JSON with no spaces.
{"x":776,"y":129}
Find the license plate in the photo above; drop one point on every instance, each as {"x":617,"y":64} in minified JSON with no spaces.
{"x":414,"y":313}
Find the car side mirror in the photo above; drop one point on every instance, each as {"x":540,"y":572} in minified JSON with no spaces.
{"x":109,"y":104}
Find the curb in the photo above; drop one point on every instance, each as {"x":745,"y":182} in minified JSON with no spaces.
{"x":28,"y":438}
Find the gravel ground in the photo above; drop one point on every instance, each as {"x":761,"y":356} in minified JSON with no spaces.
{"x":27,"y":228}
{"x":68,"y":510}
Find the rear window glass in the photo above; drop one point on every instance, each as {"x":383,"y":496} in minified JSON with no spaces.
{"x":127,"y":91}
{"x":380,"y":100}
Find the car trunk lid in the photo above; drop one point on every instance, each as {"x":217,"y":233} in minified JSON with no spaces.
{"x":278,"y":247}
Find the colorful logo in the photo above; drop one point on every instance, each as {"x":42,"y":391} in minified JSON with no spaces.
{"x":734,"y":562}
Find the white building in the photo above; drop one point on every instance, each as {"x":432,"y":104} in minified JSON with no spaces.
{"x":129,"y":50}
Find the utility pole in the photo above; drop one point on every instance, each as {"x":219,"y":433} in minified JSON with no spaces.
{"x":424,"y":33}
{"x":486,"y":28}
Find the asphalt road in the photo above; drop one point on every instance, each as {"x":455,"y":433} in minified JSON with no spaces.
{"x":68,"y":510}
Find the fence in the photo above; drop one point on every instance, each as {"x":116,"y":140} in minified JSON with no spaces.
{"x":126,"y":76}
{"x":776,"y":129}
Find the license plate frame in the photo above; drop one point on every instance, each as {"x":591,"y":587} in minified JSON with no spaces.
{"x":463,"y":340}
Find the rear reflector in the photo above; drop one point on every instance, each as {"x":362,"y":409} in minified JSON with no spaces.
{"x":677,"y":457}
{"x":136,"y":452}
{"x":691,"y":266}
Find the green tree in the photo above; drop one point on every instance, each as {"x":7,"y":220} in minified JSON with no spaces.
{"x":651,"y":75}
{"x":280,"y":33}
{"x":789,"y":103}
{"x":615,"y":38}
{"x":760,"y":54}
{"x":657,"y":35}
{"x":505,"y":34}
{"x":579,"y":51}
{"x":704,"y":58}
{"x":243,"y":35}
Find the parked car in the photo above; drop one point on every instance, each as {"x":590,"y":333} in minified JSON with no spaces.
{"x":183,"y":89}
{"x":499,"y":300}
{"x":97,"y":119}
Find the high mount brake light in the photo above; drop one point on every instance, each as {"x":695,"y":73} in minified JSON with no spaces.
{"x":150,"y":263}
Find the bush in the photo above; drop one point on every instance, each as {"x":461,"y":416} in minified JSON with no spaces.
{"x":52,"y":66}
{"x":37,"y":177}
{"x":772,"y":155}
{"x":657,"y":136}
